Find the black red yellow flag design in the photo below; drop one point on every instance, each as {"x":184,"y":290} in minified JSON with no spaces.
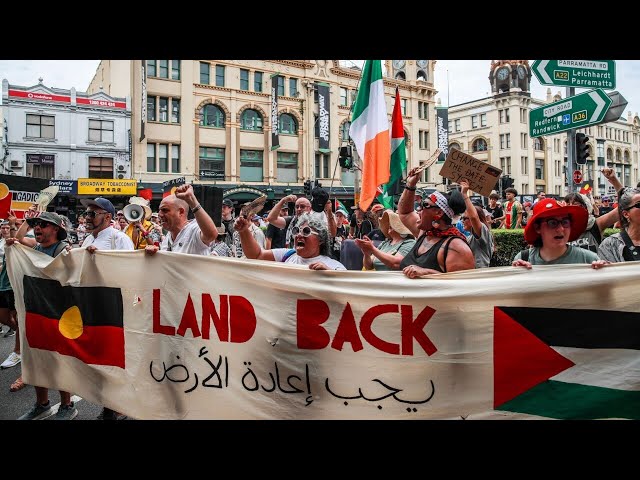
{"x":82,"y":322}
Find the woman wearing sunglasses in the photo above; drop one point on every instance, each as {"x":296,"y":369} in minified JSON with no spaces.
{"x":440,"y":246}
{"x":550,"y":229}
{"x":311,"y":245}
{"x":625,"y":245}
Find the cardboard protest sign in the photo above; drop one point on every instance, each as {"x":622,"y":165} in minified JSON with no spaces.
{"x":481,"y":175}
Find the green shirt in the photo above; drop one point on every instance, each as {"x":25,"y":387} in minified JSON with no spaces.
{"x":572,"y":255}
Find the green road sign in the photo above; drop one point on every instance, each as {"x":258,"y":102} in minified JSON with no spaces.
{"x":578,"y":111}
{"x":576,"y":73}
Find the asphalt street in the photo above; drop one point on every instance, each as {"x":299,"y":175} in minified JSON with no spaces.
{"x":14,"y":404}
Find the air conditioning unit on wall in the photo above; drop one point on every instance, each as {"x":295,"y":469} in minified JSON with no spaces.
{"x":16,"y":163}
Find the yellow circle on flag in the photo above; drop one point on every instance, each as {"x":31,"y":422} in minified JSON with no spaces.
{"x":71,"y":323}
{"x":4,"y":190}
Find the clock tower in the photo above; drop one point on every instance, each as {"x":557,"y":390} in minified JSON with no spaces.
{"x":411,"y":70}
{"x":506,"y":75}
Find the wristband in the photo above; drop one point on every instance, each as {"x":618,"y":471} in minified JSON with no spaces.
{"x":411,"y":189}
{"x":194,"y":210}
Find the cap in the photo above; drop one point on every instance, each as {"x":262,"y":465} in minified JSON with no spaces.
{"x":101,"y":203}
{"x":228,"y":202}
{"x":53,"y":218}
{"x":255,"y":217}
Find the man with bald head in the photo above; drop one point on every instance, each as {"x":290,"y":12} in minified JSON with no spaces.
{"x":302,"y":205}
{"x":185,"y":236}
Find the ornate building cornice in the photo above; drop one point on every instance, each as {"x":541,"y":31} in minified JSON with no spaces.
{"x":294,"y":63}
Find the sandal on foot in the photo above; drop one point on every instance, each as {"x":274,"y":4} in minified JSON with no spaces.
{"x":17,"y":385}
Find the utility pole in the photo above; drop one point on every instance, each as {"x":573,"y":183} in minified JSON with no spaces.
{"x":571,"y":149}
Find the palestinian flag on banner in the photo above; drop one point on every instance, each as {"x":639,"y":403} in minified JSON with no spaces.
{"x":567,"y":363}
{"x":81,"y":322}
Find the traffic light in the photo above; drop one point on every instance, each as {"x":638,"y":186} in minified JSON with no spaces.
{"x":582,"y":148}
{"x":345,"y":159}
{"x":307,"y":188}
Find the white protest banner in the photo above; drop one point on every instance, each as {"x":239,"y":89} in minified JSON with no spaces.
{"x":176,"y":336}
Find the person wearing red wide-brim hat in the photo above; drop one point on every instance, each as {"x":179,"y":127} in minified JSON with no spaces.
{"x":549,"y":230}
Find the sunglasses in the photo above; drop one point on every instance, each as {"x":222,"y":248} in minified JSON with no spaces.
{"x":304,"y":231}
{"x":554,"y":222}
{"x":637,"y":205}
{"x":427,"y":206}
{"x":93,"y":213}
{"x":41,"y":223}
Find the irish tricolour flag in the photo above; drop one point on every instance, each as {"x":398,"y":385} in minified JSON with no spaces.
{"x":370,"y":132}
{"x":567,"y":363}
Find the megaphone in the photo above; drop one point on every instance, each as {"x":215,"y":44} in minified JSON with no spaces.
{"x":134,"y":213}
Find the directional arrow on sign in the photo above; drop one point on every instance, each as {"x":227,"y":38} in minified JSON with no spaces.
{"x":576,"y":73}
{"x":578,"y":111}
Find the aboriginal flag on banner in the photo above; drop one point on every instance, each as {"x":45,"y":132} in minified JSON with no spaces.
{"x":567,"y":363}
{"x":82,"y":322}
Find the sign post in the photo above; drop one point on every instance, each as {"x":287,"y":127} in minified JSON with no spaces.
{"x":577,"y":111}
{"x":576,"y":73}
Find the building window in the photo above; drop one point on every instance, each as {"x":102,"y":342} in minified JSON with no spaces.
{"x":293,"y":87}
{"x":344,"y":131}
{"x":212,"y":116}
{"x":204,"y":73}
{"x":287,"y":167}
{"x":244,"y":79}
{"x":457,"y":124}
{"x":483,"y":119}
{"x":163,"y":158}
{"x":163,"y":68}
{"x":423,"y":139}
{"x":480,"y":145}
{"x":539,"y":169}
{"x":322,"y":165}
{"x":212,"y":162}
{"x":423,"y":110}
{"x":524,"y":165}
{"x":163,"y":109}
{"x":454,"y":146}
{"x":523,"y":115}
{"x":505,"y":140}
{"x":151,"y":68}
{"x":219,"y":75}
{"x":175,"y":158}
{"x":538,"y":145}
{"x":288,"y":124}
{"x":557,"y":168}
{"x":41,"y":126}
{"x":175,"y":69}
{"x":504,"y":115}
{"x":251,"y":120}
{"x":175,"y":111}
{"x":523,"y":140}
{"x":151,"y":157}
{"x":251,"y":165}
{"x":257,"y":81}
{"x":100,"y":167}
{"x":101,"y":131}
{"x":280,"y":86}
{"x":343,"y":96}
{"x":151,"y":108}
{"x":474,"y":121}
{"x":403,"y":103}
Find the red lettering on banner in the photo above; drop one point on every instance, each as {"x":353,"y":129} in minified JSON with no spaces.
{"x":236,"y":322}
{"x":189,"y":320}
{"x":310,"y":315}
{"x":311,"y":335}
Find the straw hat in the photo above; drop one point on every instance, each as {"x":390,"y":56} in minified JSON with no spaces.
{"x":551,"y":208}
{"x":390,"y":218}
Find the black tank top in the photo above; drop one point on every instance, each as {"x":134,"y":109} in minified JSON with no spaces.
{"x":428,"y":259}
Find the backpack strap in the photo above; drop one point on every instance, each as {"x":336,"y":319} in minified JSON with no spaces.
{"x":595,"y":231}
{"x":630,"y":252}
{"x":61,"y":246}
{"x":446,"y":251}
{"x":287,"y":254}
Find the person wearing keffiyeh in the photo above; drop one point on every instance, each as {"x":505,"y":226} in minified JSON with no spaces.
{"x":440,"y":246}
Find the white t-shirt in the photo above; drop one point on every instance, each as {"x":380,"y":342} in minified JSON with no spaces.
{"x":295,"y":259}
{"x":187,"y":241}
{"x":109,"y":239}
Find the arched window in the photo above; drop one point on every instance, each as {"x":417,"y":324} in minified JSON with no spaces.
{"x":627,"y":159}
{"x":609,"y":155}
{"x":422,"y":75}
{"x":288,"y":124}
{"x":344,"y":131}
{"x":480,"y":145}
{"x":251,"y":120}
{"x":212,"y":116}
{"x":400,"y":76}
{"x":618,"y":156}
{"x":454,"y":146}
{"x":538,"y":144}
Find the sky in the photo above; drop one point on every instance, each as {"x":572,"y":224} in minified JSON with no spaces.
{"x":457,"y":81}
